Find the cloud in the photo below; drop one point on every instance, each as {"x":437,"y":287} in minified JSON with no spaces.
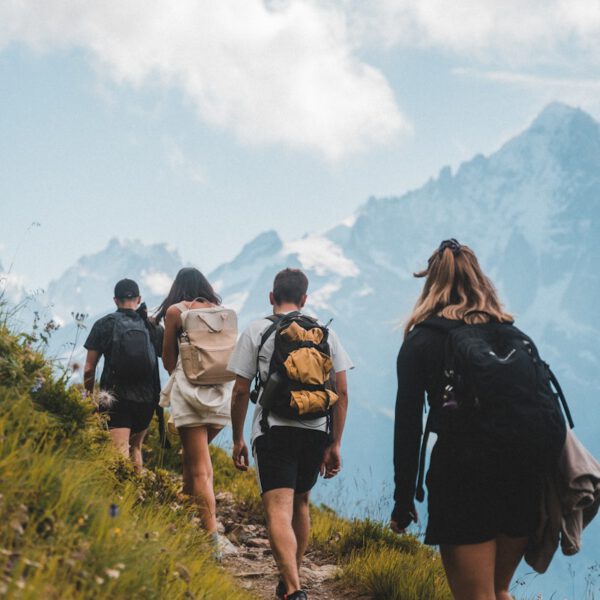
{"x":179,"y":163}
{"x":156,"y":282}
{"x":515,"y":31}
{"x":12,"y":287}
{"x":282,"y":72}
{"x":572,"y":90}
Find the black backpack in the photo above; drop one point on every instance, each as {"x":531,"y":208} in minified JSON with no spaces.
{"x":279,"y":387}
{"x":132,"y":357}
{"x":497,"y":388}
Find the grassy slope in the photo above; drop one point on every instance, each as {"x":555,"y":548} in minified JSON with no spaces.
{"x":59,"y":478}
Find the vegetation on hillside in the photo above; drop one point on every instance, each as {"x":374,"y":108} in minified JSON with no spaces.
{"x":77,"y":522}
{"x":81,"y":524}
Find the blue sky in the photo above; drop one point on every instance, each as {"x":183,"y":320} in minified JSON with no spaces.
{"x":202,"y":124}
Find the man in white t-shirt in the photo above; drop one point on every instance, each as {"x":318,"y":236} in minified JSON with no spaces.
{"x":290,"y":453}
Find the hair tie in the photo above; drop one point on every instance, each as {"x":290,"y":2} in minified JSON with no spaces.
{"x":452,"y":243}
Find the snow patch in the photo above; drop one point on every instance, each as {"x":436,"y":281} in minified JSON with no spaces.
{"x":157,"y":282}
{"x":318,"y":254}
{"x":349,"y":221}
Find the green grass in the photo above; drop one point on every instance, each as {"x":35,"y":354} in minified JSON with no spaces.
{"x":59,"y":478}
{"x":377,"y":562}
{"x":80,"y":524}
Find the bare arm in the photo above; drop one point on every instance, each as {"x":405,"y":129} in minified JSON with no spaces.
{"x":239,"y":408}
{"x":332,"y":459}
{"x":340,"y":409}
{"x":89,"y":370}
{"x":170,"y":349}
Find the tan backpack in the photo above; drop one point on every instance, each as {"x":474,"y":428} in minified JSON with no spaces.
{"x":207,"y":340}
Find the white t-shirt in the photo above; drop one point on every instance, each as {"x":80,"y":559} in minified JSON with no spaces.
{"x":243,"y":363}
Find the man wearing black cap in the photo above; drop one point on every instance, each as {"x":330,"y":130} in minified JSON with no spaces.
{"x":129,"y":376}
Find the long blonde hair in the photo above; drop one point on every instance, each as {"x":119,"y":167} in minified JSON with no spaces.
{"x":456,"y":288}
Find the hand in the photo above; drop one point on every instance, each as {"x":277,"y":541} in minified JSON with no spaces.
{"x":240,"y":455}
{"x":394,"y":527}
{"x":414,"y":516}
{"x":332,"y":461}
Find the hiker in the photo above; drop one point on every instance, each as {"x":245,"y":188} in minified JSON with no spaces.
{"x":129,"y":382}
{"x":498,"y":426}
{"x":199,"y":337}
{"x":299,"y":367}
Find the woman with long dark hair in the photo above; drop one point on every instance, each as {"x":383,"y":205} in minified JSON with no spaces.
{"x":483,"y":493}
{"x":199,"y":412}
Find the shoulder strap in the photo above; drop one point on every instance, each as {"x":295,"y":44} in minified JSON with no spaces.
{"x":420,"y":491}
{"x":270,"y":329}
{"x":180,"y":307}
{"x":561,"y":396}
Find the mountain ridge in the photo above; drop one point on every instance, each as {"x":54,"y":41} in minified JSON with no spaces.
{"x":531,"y":211}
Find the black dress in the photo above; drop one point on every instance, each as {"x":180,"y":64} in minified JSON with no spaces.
{"x":475,"y":492}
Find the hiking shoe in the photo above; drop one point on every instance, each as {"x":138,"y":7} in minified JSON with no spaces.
{"x":280,"y":590}
{"x":297,"y":595}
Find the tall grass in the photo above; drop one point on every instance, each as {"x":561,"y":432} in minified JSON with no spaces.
{"x":77,"y":523}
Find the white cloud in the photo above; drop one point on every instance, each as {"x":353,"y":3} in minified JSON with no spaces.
{"x":156,"y":282}
{"x":12,"y":287}
{"x":282,"y":72}
{"x":515,"y":31}
{"x":180,"y":163}
{"x":584,"y":92}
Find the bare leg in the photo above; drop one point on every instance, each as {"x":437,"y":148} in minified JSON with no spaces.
{"x":198,"y":473}
{"x":135,"y":449}
{"x":279,"y":508}
{"x":301,"y":524}
{"x":120,"y":439}
{"x":213,"y":432}
{"x":509,"y":552}
{"x":470,"y":570}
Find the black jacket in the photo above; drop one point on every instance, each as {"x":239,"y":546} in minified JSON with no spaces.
{"x":420,"y":368}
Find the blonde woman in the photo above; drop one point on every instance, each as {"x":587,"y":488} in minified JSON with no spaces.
{"x":483,"y":480}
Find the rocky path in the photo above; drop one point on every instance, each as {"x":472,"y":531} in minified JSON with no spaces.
{"x":248,"y":558}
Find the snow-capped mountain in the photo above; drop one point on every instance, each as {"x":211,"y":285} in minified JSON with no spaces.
{"x":88,"y":285}
{"x":531,"y":211}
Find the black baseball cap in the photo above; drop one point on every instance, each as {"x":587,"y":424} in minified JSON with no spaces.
{"x":126,"y":288}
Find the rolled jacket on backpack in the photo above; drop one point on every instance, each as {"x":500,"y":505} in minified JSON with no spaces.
{"x":307,"y":402}
{"x":308,"y":365}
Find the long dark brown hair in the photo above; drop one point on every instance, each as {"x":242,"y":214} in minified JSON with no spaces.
{"x":190,"y":284}
{"x":456,"y":288}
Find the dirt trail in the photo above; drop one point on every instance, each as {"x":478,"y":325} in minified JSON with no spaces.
{"x":248,"y":558}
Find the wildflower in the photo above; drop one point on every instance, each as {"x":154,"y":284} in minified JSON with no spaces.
{"x":37,"y":385}
{"x":117,"y":531}
{"x":112,"y":573}
{"x":113,"y":510}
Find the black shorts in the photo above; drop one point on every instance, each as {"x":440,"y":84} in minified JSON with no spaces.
{"x":289,"y":457}
{"x":130,"y":415}
{"x":475,"y":495}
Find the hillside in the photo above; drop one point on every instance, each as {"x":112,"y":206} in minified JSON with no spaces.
{"x":80,"y":524}
{"x":531,"y":210}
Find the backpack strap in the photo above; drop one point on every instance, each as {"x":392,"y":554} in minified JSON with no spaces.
{"x":181,"y":307}
{"x":561,"y":397}
{"x":258,"y":382}
{"x":444,"y":326}
{"x":420,"y":491}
